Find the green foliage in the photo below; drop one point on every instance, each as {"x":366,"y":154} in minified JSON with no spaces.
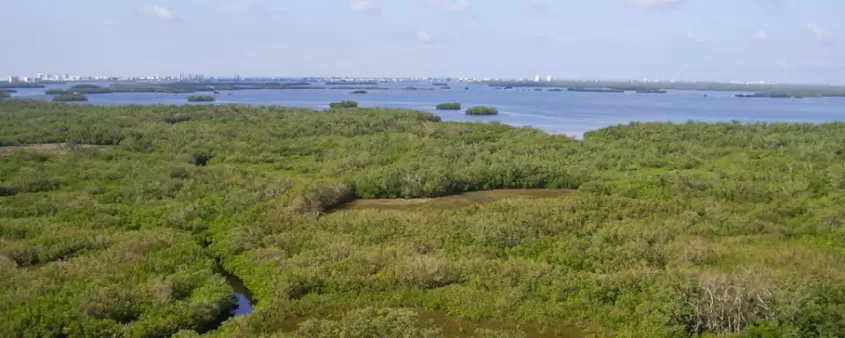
{"x":675,"y":230}
{"x":201,"y":98}
{"x":449,"y":106}
{"x":344,"y":104}
{"x":366,"y":323}
{"x":5,"y":95}
{"x":70,"y":97}
{"x":482,"y":110}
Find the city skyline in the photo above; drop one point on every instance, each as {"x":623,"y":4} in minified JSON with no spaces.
{"x":681,"y":40}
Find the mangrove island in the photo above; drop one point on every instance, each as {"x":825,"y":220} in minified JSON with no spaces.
{"x":482,"y":110}
{"x":449,"y":106}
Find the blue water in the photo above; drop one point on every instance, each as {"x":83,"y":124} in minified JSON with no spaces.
{"x":243,"y":306}
{"x":571,"y":113}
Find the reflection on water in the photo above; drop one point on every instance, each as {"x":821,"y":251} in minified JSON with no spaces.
{"x":242,"y":295}
{"x":452,"y":202}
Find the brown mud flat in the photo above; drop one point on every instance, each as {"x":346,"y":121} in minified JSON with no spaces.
{"x":47,"y":148}
{"x":451,"y":202}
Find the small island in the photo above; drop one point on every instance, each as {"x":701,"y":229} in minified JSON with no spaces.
{"x":57,"y":92}
{"x":201,"y":98}
{"x":650,"y":91}
{"x":595,"y":90}
{"x":344,"y":104}
{"x":70,"y":98}
{"x":358,"y":92}
{"x":769,"y":95}
{"x":482,"y":110}
{"x":449,"y":106}
{"x":555,"y":90}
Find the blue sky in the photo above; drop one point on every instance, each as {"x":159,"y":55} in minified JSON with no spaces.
{"x":770,"y":40}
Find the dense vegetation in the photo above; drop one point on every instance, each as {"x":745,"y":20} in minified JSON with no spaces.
{"x":482,"y":110}
{"x":20,"y":85}
{"x":794,"y":94}
{"x":4,"y":95}
{"x":449,"y":106}
{"x":344,"y":104}
{"x":201,"y":98}
{"x":803,"y":90}
{"x":70,"y":97}
{"x":650,"y":91}
{"x":352,"y":83}
{"x":8,"y":91}
{"x":675,"y":229}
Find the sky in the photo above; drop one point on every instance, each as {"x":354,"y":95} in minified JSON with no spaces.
{"x":799,"y":41}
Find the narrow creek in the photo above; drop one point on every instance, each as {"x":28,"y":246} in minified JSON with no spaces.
{"x":244,"y":297}
{"x":244,"y":301}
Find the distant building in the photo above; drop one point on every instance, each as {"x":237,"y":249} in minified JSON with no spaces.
{"x":537,"y":78}
{"x":548,"y":78}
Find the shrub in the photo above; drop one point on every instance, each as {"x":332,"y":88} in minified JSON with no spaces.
{"x":36,"y":184}
{"x":7,"y":191}
{"x":174,"y":119}
{"x":344,"y":104}
{"x":369,"y":322}
{"x":201,"y":157}
{"x":482,"y":110}
{"x":320,"y":197}
{"x":449,"y":106}
{"x":179,"y":172}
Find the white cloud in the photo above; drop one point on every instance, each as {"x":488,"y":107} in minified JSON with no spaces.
{"x":362,"y":5}
{"x":450,"y":5}
{"x":423,"y":36}
{"x":817,"y":30}
{"x":654,"y":3}
{"x":760,"y":35}
{"x":160,"y":12}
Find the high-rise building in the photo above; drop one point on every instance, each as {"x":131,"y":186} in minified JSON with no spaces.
{"x":537,"y":78}
{"x":548,"y":78}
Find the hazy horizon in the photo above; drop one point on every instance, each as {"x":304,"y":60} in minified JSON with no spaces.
{"x":682,"y":40}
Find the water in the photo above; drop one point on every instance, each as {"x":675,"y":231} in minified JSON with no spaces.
{"x":243,"y":296}
{"x":570,"y":113}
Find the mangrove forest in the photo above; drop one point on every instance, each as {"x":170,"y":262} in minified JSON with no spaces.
{"x":201,"y":98}
{"x":156,"y":221}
